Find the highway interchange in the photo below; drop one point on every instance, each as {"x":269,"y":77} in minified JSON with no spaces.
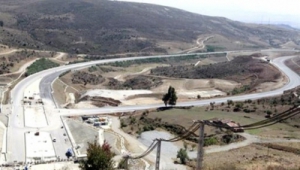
{"x":15,"y":150}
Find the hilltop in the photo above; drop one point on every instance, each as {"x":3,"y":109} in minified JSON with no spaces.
{"x":107,"y":27}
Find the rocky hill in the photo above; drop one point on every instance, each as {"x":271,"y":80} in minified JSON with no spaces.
{"x":105,"y":27}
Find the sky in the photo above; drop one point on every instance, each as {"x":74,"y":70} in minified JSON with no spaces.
{"x":257,"y":11}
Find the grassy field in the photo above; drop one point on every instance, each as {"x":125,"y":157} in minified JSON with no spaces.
{"x":199,"y":113}
{"x":185,"y":117}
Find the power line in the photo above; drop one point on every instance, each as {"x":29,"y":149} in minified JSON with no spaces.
{"x":200,"y":125}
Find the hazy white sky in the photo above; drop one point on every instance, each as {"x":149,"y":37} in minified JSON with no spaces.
{"x":283,"y":11}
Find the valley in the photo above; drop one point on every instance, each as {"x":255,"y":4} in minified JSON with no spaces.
{"x":145,"y":87}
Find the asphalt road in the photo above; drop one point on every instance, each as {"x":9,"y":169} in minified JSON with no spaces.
{"x":16,"y":129}
{"x":294,"y":81}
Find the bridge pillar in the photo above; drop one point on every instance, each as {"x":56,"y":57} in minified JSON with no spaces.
{"x":126,"y":163}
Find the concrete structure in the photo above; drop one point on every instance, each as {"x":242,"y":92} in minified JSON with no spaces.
{"x":39,"y":147}
{"x":35,"y":116}
{"x":32,"y":91}
{"x":100,"y":136}
{"x":71,"y":98}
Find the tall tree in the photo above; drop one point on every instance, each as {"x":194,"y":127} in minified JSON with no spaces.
{"x":170,"y":97}
{"x":98,"y":157}
{"x":173,"y":97}
{"x":166,"y":98}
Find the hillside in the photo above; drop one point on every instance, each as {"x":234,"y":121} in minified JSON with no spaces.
{"x":106,"y":27}
{"x":246,"y":70}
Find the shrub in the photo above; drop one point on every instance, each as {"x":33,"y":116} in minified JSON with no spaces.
{"x":132,"y":120}
{"x":182,"y":155}
{"x":248,"y":110}
{"x":148,"y":128}
{"x":92,"y":69}
{"x":210,"y":141}
{"x":269,"y":112}
{"x":123,"y":124}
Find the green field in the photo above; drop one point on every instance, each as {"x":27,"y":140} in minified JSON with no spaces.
{"x":184,"y":116}
{"x":40,"y":65}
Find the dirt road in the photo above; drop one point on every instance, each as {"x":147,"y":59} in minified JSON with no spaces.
{"x":9,"y":52}
{"x":22,"y":69}
{"x":58,"y":58}
{"x":250,"y":139}
{"x":200,"y":45}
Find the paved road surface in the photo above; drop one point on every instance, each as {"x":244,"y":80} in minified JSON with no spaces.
{"x":278,"y":62}
{"x":16,"y":129}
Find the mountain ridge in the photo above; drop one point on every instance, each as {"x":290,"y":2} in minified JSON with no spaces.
{"x":105,"y":27}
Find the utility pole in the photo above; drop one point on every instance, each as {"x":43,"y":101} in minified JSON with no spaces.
{"x":158,"y":154}
{"x":126,"y":162}
{"x":200,"y":146}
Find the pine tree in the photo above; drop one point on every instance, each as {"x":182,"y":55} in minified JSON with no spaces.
{"x":170,"y":97}
{"x":173,"y":97}
{"x":166,"y":98}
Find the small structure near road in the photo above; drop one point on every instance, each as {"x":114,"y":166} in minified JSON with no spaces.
{"x":230,"y":124}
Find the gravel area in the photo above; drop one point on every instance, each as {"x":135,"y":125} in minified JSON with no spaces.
{"x":82,"y":134}
{"x":112,"y":141}
{"x":116,"y":94}
{"x":169,"y":149}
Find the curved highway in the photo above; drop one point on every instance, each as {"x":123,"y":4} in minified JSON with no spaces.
{"x":16,"y":126}
{"x":294,"y":81}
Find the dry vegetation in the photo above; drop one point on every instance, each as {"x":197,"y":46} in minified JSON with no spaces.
{"x":139,"y":123}
{"x":294,"y":64}
{"x":102,"y":75}
{"x":101,"y":101}
{"x":252,"y":157}
{"x":73,"y":26}
{"x":246,"y":70}
{"x":80,"y":77}
{"x":136,"y":82}
{"x":12,"y":62}
{"x":244,"y":74}
{"x":281,"y":156}
{"x":242,"y":112}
